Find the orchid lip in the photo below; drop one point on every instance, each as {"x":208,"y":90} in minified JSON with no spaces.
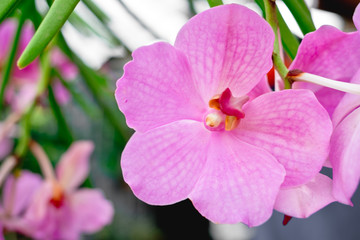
{"x":226,"y":111}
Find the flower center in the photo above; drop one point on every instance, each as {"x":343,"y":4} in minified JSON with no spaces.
{"x":226,"y":111}
{"x":57,"y":199}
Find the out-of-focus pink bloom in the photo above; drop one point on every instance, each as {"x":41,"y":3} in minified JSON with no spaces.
{"x":61,"y":211}
{"x":68,"y":70}
{"x":21,"y":88}
{"x":6,"y":143}
{"x":198,"y":135}
{"x":331,"y":53}
{"x":17,"y":195}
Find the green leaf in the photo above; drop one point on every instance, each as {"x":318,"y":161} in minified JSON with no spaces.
{"x":289,"y":41}
{"x":96,"y":11}
{"x":214,"y":3}
{"x":58,"y":13}
{"x":6,"y":7}
{"x":301,"y":14}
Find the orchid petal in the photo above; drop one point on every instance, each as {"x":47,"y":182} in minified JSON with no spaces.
{"x":261,"y":88}
{"x":91,"y":210}
{"x":228,"y":47}
{"x":330,"y":53}
{"x":304,"y":200}
{"x":347,"y":104}
{"x":356,"y":17}
{"x":73,"y":167}
{"x":162,"y":165}
{"x":345,"y":157}
{"x":239,"y":183}
{"x":157,"y":88}
{"x":292,"y":126}
{"x":18,"y":192}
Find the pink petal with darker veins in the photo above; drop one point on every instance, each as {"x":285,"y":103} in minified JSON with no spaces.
{"x":331,"y":53}
{"x":345,"y":157}
{"x":73,"y":167}
{"x":239,"y":182}
{"x":293,"y":127}
{"x":157,"y":88}
{"x":91,"y":210}
{"x":163,"y":165}
{"x":304,"y":200}
{"x":227,"y":47}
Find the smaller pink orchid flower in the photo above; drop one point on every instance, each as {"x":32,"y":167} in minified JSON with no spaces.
{"x":203,"y":129}
{"x":21,"y":89}
{"x":17,"y":194}
{"x":68,"y":70}
{"x":331,"y":53}
{"x":61,"y":211}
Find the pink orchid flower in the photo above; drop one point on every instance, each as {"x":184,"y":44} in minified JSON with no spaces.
{"x":331,"y":53}
{"x":68,"y":70}
{"x":21,"y":88}
{"x":61,"y":211}
{"x":17,"y":195}
{"x":198,"y":135}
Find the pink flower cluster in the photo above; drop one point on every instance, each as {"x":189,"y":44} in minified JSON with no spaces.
{"x":209,"y":129}
{"x":54,"y":207}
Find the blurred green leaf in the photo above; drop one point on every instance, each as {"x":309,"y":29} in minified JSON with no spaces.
{"x":301,"y":14}
{"x":96,"y":11}
{"x":214,"y":3}
{"x":58,"y":13}
{"x":6,"y":7}
{"x":289,"y":41}
{"x":64,"y":132}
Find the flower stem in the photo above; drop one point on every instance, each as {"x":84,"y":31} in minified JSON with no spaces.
{"x":6,"y":167}
{"x":270,"y":12}
{"x":214,"y":3}
{"x":43,"y":160}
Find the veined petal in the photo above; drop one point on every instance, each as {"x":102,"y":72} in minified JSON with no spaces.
{"x":345,"y":157}
{"x":229,"y":46}
{"x":330,"y":53}
{"x":91,"y":210}
{"x":73,"y":166}
{"x":18,"y":192}
{"x":356,"y":17}
{"x":347,"y":104}
{"x":292,"y":126}
{"x":162,"y":165}
{"x":157,"y":88}
{"x":304,"y":200}
{"x":239,"y":182}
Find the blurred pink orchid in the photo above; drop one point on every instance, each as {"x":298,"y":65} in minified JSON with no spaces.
{"x":59,"y":210}
{"x":68,"y":70}
{"x":21,"y":89}
{"x":203,"y":134}
{"x":17,"y":195}
{"x":331,"y":53}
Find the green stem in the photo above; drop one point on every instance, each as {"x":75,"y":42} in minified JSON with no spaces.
{"x":271,"y":18}
{"x":214,"y":3}
{"x":289,"y":41}
{"x":301,"y":14}
{"x":96,"y":11}
{"x":11,"y":59}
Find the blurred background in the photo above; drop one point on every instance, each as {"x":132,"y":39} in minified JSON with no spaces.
{"x":99,"y":38}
